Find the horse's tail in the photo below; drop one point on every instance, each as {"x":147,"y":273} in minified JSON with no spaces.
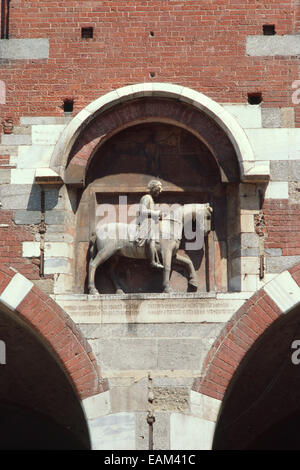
{"x":93,"y":245}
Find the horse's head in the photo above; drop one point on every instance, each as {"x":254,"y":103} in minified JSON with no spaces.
{"x":196,"y":224}
{"x":207,"y":218}
{"x":201,"y":213}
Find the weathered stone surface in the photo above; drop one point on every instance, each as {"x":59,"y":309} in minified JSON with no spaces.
{"x":55,"y":229}
{"x":277,"y":190}
{"x":167,"y":382}
{"x":288,"y":45}
{"x":22,"y":176}
{"x":130,"y":398}
{"x":294,"y":192}
{"x":277,"y":264}
{"x":34,"y":156}
{"x":5,"y":176}
{"x":113,"y":432}
{"x":20,"y":197}
{"x":249,"y":240}
{"x":245,"y":266}
{"x":140,"y":308}
{"x":58,"y":237}
{"x":57,"y":265}
{"x":161,"y":431}
{"x":53,"y":199}
{"x":248,"y":116}
{"x":271,"y":117}
{"x":279,"y":170}
{"x":247,"y":223}
{"x":249,"y":252}
{"x":97,"y":405}
{"x":174,"y":399}
{"x":57,"y":249}
{"x":46,"y":285}
{"x":141,"y":431}
{"x":294,"y":170}
{"x":180,"y":354}
{"x":273,"y":251}
{"x":31,"y":249}
{"x":24,"y":217}
{"x":63,"y":283}
{"x":287,"y":116}
{"x":46,"y":134}
{"x":203,"y":330}
{"x":15,"y":139}
{"x":126,"y":354}
{"x":188,"y":432}
{"x":44,"y":120}
{"x":204,"y":407}
{"x":9,"y":149}
{"x":54,"y":217}
{"x":274,"y":144}
{"x":25,"y":130}
{"x":37,"y":48}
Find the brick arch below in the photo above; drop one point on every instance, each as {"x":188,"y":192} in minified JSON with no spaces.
{"x":277,"y":297}
{"x":55,"y":328}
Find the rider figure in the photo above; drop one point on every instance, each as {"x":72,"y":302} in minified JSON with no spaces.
{"x":147,"y":220}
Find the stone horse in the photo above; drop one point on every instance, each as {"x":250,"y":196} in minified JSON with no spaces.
{"x":118,"y":239}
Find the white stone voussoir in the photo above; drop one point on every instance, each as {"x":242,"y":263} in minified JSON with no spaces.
{"x":98,"y":405}
{"x":284,"y":291}
{"x":204,"y":407}
{"x":16,"y":291}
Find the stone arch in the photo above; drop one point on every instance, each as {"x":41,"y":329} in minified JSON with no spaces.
{"x":57,"y":331}
{"x":277,"y":297}
{"x":250,"y":170}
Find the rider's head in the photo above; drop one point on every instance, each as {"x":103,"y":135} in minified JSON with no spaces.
{"x":155,"y":187}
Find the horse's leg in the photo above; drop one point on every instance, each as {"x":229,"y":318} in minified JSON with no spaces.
{"x":167,"y":253}
{"x":188,"y":265}
{"x":114,"y":277}
{"x":102,"y":256}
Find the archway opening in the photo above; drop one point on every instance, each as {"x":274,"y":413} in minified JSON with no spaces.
{"x":39,"y":407}
{"x":261,"y":405}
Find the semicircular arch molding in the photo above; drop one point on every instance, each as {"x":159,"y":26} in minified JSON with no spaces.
{"x":84,"y":133}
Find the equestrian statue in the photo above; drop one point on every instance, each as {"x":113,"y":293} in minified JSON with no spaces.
{"x":154,"y":236}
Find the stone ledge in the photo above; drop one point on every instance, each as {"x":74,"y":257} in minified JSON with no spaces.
{"x":149,"y":308}
{"x":137,"y":296}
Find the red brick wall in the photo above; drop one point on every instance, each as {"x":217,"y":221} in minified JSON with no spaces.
{"x":282,"y":220}
{"x":196,"y":44}
{"x":11,"y":238}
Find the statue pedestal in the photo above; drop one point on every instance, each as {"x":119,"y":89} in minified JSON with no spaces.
{"x":176,"y":307}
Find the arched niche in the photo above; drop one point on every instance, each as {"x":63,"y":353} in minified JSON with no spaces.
{"x":80,"y":153}
{"x":122,"y":165}
{"x":250,"y":170}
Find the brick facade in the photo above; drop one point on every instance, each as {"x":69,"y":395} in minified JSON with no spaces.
{"x":193,"y":44}
{"x":183,"y":65}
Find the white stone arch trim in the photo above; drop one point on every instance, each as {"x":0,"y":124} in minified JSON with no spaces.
{"x":249,"y":168}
